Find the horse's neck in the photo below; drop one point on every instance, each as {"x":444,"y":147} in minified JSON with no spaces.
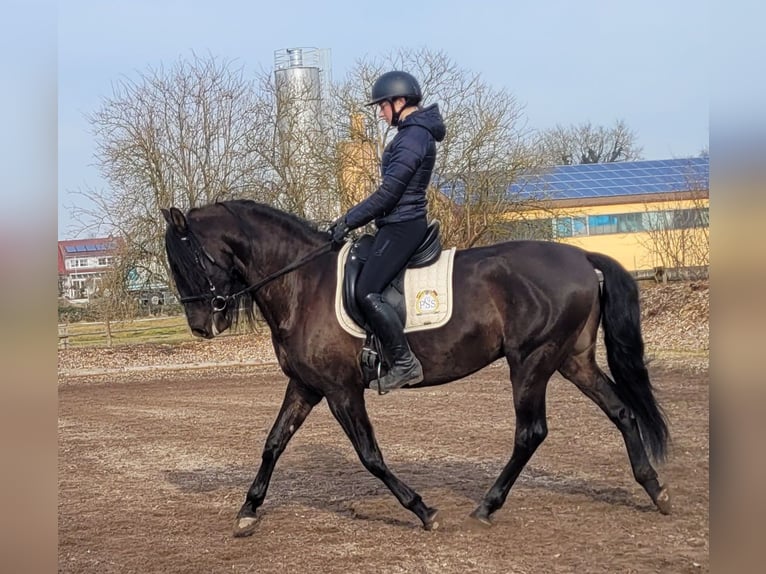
{"x":280,"y":248}
{"x":278,"y":299}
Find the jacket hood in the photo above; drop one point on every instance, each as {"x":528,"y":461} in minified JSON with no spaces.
{"x":429,"y":118}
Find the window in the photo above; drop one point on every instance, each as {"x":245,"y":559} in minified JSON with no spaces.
{"x":630,"y":222}
{"x":579,"y":226}
{"x":561,"y":227}
{"x":688,"y":218}
{"x":676,"y":219}
{"x":602,"y":224}
{"x":656,"y":220}
{"x":571,"y":226}
{"x":102,"y":261}
{"x":75,"y":263}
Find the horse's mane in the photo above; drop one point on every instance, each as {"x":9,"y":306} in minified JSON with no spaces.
{"x":240,"y":208}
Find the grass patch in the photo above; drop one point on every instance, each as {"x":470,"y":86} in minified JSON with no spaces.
{"x":155,"y":330}
{"x":167,"y":330}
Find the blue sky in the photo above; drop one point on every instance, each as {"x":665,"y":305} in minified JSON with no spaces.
{"x":566,"y":62}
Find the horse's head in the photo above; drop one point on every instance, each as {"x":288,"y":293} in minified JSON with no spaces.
{"x":204,"y":271}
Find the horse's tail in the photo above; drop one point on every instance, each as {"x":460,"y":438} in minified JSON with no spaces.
{"x":621,"y":320}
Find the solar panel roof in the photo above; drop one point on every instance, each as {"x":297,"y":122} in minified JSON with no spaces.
{"x":615,"y":179}
{"x":89,"y":247}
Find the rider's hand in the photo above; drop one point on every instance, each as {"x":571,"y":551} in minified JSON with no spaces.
{"x":339,"y":230}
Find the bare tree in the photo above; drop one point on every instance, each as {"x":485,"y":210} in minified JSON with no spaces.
{"x":174,"y":136}
{"x":586,"y":143}
{"x":678,"y":236}
{"x":112,"y":300}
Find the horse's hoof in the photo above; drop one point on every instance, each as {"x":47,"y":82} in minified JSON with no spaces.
{"x":663,"y":501}
{"x":431,"y":523}
{"x":479,"y":519}
{"x":245,"y":526}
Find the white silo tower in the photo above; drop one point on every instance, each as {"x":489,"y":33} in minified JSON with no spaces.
{"x":302,"y":77}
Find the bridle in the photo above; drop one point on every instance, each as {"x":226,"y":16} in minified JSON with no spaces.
{"x":219,"y":302}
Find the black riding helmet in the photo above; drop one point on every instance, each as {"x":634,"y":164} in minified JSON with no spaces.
{"x":396,"y":84}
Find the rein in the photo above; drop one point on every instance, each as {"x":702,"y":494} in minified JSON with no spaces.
{"x":220,"y":302}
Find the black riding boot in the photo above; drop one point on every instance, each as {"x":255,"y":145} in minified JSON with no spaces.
{"x":385,"y":324}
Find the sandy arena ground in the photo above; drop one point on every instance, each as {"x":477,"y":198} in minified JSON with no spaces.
{"x":154,"y":464}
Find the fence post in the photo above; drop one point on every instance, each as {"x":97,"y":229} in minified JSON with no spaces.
{"x":63,"y":336}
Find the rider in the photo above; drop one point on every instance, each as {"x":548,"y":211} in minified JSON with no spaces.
{"x":399,"y":207}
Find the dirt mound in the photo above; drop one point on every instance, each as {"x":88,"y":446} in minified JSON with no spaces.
{"x":676,"y":317}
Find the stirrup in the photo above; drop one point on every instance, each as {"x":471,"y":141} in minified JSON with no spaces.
{"x":412,"y":376}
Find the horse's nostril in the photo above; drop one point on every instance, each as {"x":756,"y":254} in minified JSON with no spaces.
{"x":200,"y":333}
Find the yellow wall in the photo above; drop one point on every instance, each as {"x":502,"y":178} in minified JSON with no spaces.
{"x":358,"y":165}
{"x":632,"y":250}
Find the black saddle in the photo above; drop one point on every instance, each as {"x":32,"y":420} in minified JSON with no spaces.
{"x":429,"y":251}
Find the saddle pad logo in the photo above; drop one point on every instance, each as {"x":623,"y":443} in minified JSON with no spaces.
{"x":426,"y":301}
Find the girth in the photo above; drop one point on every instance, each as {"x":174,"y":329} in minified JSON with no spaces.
{"x":429,"y":251}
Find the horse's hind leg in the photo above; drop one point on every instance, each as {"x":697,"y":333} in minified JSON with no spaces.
{"x":529,"y":379}
{"x":350,"y":411}
{"x":296,"y":406}
{"x":583,"y":371}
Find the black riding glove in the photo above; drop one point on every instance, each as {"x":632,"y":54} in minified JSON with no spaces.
{"x":339,"y":230}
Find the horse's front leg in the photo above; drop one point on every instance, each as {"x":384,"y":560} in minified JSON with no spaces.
{"x":349,"y":409}
{"x":296,"y":406}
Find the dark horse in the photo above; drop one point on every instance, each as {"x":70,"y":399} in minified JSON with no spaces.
{"x":537,"y":304}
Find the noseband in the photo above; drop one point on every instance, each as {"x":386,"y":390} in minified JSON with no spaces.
{"x":220,"y":302}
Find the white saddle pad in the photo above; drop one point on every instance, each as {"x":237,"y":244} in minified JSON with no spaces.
{"x":427,"y":294}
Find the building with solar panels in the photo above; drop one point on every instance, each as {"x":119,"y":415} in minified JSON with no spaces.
{"x":651,"y":216}
{"x":82,"y":263}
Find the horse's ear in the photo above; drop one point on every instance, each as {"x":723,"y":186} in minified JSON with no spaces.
{"x":165,"y":214}
{"x":176,"y":219}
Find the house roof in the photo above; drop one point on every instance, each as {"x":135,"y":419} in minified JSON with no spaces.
{"x":93,"y":247}
{"x":611,"y":180}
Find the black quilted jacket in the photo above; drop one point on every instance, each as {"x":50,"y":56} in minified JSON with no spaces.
{"x":406,"y":167}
